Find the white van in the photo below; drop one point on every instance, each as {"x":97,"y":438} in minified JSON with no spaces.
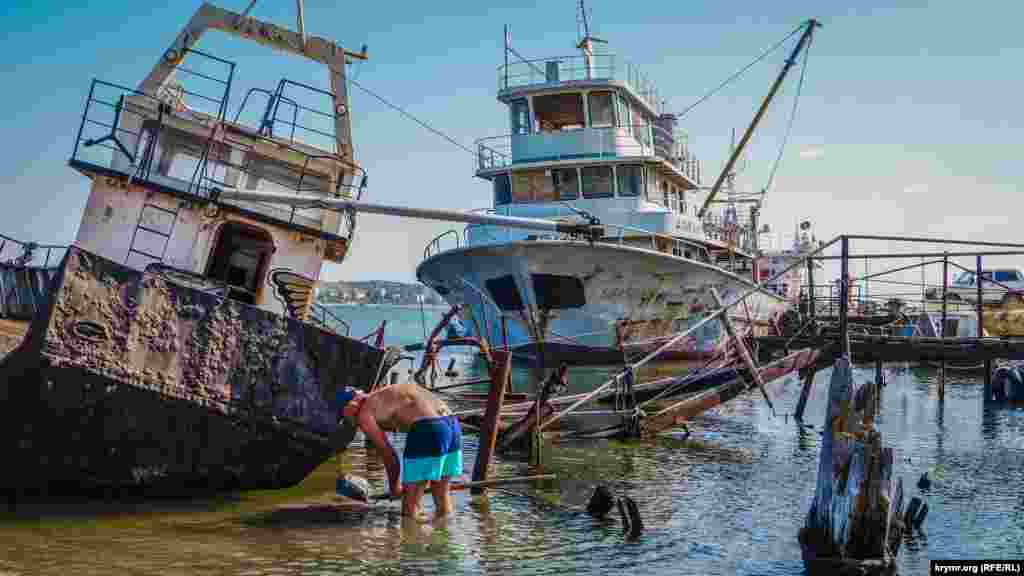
{"x":997,"y":284}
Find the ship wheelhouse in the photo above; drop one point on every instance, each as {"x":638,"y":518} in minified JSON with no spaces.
{"x":587,"y":137}
{"x":159,"y":155}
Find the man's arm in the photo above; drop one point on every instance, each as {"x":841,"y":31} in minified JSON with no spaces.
{"x":372,"y":430}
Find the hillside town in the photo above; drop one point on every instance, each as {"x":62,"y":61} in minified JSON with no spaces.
{"x":377,"y":292}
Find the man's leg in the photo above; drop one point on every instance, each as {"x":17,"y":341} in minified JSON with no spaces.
{"x":411,"y":494}
{"x":442,"y":497}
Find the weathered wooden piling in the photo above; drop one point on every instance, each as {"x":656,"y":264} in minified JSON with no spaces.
{"x":855,"y":523}
{"x":500,"y":371}
{"x":942,"y":331}
{"x":805,"y":391}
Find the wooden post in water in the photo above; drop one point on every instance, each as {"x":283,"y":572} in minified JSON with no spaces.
{"x":853,"y":525}
{"x":942,"y":327}
{"x":981,"y":323}
{"x":500,"y":372}
{"x":879,"y":375}
{"x":805,"y":391}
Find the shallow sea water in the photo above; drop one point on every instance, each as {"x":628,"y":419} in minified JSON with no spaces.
{"x":727,"y":501}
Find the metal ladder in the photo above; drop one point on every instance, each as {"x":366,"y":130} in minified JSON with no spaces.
{"x":159,"y":225}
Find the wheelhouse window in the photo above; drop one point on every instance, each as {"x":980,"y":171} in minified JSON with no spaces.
{"x":623,"y":112}
{"x":602,"y":113}
{"x":502,"y":190}
{"x":520,"y":112}
{"x":556,"y":112}
{"x":631,"y":179}
{"x":1005,"y":276}
{"x":597,"y":181}
{"x":566,"y":183}
{"x":532,"y":186}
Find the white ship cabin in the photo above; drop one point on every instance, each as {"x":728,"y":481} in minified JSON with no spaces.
{"x":587,"y":134}
{"x":159,"y":154}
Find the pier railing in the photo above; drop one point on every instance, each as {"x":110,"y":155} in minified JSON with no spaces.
{"x":627,"y":141}
{"x":555,"y":69}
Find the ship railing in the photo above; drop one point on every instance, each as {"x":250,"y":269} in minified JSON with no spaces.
{"x":580,"y":143}
{"x":287,"y":114}
{"x":555,"y":69}
{"x":435,"y":245}
{"x":637,"y":140}
{"x":321,"y":316}
{"x":612,"y":234}
{"x":123,"y":130}
{"x":18,"y":253}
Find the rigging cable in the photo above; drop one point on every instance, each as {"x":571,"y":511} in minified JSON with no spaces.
{"x":792,"y":117}
{"x":738,"y":74}
{"x":410,"y":116}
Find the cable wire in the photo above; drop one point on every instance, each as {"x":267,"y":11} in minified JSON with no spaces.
{"x":410,"y":116}
{"x":792,"y":117}
{"x":740,"y":73}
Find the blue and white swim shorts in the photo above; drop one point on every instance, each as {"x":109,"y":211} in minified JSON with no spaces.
{"x":433,"y":450}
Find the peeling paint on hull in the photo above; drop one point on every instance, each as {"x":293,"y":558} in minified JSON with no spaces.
{"x":129,"y":380}
{"x":656,"y":294}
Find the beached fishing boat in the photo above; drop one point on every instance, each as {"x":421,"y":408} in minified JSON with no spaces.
{"x":591,"y":142}
{"x":177,"y":349}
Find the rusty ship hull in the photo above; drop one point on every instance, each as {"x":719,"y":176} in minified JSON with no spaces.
{"x":127,"y":380}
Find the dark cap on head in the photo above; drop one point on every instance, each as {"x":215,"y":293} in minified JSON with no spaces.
{"x":343,"y":397}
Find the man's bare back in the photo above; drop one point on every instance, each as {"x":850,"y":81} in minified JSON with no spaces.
{"x":397,"y":407}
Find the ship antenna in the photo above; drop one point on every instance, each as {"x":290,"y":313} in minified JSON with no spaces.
{"x":586,"y":44}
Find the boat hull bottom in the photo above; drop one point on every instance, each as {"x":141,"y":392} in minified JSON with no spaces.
{"x":131,"y":382}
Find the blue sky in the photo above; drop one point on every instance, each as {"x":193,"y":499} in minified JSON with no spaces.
{"x":909,"y":122}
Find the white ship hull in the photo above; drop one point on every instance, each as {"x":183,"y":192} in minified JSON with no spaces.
{"x":573,"y":297}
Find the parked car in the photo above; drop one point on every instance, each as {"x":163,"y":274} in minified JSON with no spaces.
{"x":998,"y":285}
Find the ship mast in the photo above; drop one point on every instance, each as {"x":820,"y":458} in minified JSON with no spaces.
{"x":586,"y":44}
{"x":804,"y":39}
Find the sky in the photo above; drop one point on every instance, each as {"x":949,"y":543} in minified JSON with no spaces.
{"x":909,"y":122}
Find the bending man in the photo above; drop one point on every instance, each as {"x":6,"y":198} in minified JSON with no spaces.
{"x":433,"y":445}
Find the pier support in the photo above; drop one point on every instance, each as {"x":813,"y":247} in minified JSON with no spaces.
{"x":500,"y":372}
{"x":853,"y":525}
{"x":805,"y":392}
{"x":942,"y":328}
{"x":981,"y":322}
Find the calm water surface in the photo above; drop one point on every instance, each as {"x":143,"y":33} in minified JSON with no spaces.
{"x":728,"y":501}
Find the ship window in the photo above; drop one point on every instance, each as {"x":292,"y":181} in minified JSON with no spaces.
{"x":556,"y":112}
{"x":631,"y":180}
{"x":240,"y":259}
{"x":650,"y":190}
{"x":532,"y":186}
{"x":520,"y":111}
{"x":566,"y":183}
{"x":597,"y":181}
{"x":504,"y":292}
{"x":556,"y":292}
{"x":1005,"y":276}
{"x":623,"y":113}
{"x":502,"y":190}
{"x":602,"y":114}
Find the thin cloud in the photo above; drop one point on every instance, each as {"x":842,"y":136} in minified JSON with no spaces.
{"x":812,"y":152}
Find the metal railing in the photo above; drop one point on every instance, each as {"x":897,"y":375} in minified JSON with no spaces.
{"x":573,"y":68}
{"x":18,"y":253}
{"x":321,"y":316}
{"x":623,"y":236}
{"x":640,"y":140}
{"x":123,"y":130}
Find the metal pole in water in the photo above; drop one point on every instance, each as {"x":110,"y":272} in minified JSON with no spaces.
{"x":981,"y":323}
{"x":844,"y":299}
{"x":942,"y":328}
